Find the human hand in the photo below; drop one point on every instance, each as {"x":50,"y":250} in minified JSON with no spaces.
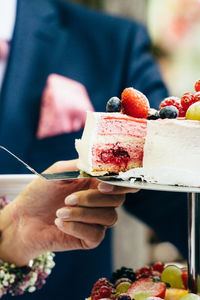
{"x":29,"y":225}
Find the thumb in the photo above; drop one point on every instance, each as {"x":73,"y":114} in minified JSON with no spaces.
{"x":63,"y":166}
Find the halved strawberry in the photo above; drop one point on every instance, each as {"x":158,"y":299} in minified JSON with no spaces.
{"x":134,"y":103}
{"x":155,"y":289}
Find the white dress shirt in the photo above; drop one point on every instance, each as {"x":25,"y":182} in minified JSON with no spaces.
{"x":7,"y":23}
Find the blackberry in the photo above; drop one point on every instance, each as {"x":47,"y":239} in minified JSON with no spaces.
{"x":123,"y":273}
{"x":113,"y":105}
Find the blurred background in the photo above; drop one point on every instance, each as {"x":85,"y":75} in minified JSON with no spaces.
{"x":173,"y":26}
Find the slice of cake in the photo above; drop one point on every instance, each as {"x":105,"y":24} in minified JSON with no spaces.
{"x":111,"y":142}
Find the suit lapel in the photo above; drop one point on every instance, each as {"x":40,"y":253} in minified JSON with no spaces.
{"x":35,"y":51}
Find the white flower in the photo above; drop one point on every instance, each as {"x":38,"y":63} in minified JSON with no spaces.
{"x":32,"y":289}
{"x":2,"y":274}
{"x":5,"y":283}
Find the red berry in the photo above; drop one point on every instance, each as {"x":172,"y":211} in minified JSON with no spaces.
{"x":181,"y":112}
{"x":197,"y":96}
{"x":197,"y":86}
{"x":101,"y":289}
{"x":134,"y":103}
{"x":187,"y":99}
{"x":158,"y":266}
{"x":143,"y":272}
{"x":185,"y":278}
{"x":155,"y":289}
{"x":174,"y":101}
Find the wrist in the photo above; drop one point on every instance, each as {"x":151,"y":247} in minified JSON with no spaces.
{"x":12,"y":249}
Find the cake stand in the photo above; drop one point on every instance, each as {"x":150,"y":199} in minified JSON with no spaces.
{"x":193,"y":195}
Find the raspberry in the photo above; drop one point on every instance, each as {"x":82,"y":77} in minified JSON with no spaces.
{"x":158,"y":266}
{"x":197,"y":96}
{"x":187,"y":99}
{"x":181,"y":112}
{"x":197,"y":86}
{"x":134,"y":103}
{"x":101,"y":289}
{"x":143,"y":272}
{"x":174,"y":101}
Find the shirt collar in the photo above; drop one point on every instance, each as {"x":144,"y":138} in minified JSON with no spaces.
{"x":7,"y":18}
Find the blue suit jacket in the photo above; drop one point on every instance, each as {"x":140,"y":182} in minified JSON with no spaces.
{"x":104,"y":53}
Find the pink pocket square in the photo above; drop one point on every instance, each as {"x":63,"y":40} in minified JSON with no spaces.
{"x":63,"y":108}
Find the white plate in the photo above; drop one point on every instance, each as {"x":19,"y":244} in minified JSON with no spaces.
{"x":11,"y":185}
{"x":153,"y":186}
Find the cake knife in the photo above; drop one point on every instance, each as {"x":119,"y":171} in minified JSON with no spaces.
{"x":59,"y":176}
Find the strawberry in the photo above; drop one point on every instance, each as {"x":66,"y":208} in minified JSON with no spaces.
{"x":187,"y":99}
{"x":155,"y":289}
{"x":197,"y":86}
{"x":134,"y":103}
{"x":185,"y":278}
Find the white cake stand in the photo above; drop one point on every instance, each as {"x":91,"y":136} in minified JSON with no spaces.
{"x":193,"y":195}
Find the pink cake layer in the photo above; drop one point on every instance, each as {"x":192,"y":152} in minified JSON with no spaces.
{"x":117,"y":157}
{"x":128,"y":126}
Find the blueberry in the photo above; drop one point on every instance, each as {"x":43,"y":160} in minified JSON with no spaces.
{"x":168,"y":112}
{"x":153,"y":114}
{"x":113,"y":105}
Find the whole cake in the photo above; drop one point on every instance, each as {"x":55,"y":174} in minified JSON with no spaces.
{"x":156,"y":146}
{"x":155,"y":282}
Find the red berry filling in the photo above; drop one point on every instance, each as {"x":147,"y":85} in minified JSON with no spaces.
{"x":117,"y":156}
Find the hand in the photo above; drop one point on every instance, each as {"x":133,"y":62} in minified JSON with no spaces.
{"x":29,"y":225}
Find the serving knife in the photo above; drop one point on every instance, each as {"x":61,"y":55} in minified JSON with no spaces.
{"x":59,"y":176}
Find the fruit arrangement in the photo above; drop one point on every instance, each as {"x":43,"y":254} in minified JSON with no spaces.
{"x":136,"y":104}
{"x":147,"y":283}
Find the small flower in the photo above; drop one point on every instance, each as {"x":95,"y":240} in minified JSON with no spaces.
{"x":32,"y":289}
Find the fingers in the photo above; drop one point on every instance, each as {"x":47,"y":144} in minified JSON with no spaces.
{"x":102,"y":216}
{"x":114,"y":189}
{"x":89,"y":235}
{"x":93,"y":198}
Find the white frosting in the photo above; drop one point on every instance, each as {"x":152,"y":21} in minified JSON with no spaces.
{"x":171,"y":154}
{"x":83,"y":145}
{"x":172,"y":144}
{"x":168,"y":176}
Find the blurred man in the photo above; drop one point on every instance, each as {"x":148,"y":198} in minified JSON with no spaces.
{"x":103,"y":53}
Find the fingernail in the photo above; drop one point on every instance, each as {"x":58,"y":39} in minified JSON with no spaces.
{"x":63,"y":213}
{"x":71,"y":200}
{"x":105,"y":188}
{"x":58,"y":222}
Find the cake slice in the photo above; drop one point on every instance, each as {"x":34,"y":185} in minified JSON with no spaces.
{"x":111,"y":142}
